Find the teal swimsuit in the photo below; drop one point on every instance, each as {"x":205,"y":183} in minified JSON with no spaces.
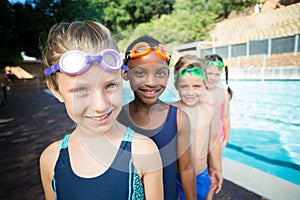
{"x":119,"y":181}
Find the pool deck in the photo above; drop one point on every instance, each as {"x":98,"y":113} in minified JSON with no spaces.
{"x":263,"y":184}
{"x":32,"y":119}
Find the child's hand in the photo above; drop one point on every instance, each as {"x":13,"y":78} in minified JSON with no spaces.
{"x":216,"y":181}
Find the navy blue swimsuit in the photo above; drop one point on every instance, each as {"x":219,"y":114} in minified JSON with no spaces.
{"x":165,"y":138}
{"x":119,"y":181}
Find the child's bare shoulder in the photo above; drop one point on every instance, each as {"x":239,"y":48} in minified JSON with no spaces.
{"x":206,"y":108}
{"x":176,"y":104}
{"x":50,"y":154}
{"x":143,"y":143}
{"x":145,"y":154}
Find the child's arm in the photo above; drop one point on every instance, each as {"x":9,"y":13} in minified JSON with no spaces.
{"x":147,"y":161}
{"x":214,"y":155}
{"x":47,"y":163}
{"x":184,"y":163}
{"x":226,"y":119}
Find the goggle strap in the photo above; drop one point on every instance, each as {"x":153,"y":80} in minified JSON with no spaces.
{"x":52,"y":69}
{"x":189,"y":69}
{"x":125,"y":68}
{"x":92,"y":59}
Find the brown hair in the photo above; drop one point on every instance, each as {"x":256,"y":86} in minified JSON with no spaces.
{"x":189,"y":61}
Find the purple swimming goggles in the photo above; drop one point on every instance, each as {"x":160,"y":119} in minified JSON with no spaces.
{"x":76,"y":62}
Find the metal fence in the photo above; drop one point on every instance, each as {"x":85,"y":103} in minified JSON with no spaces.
{"x":257,"y":47}
{"x":265,"y":47}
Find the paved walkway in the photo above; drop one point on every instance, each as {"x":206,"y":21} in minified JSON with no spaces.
{"x":29,"y":122}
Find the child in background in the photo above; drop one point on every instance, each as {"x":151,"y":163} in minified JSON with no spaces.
{"x":168,"y":126}
{"x":100,"y":159}
{"x":190,"y":83}
{"x":221,"y":98}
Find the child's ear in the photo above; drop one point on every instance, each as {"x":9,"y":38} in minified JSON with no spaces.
{"x":124,"y":75}
{"x":55,"y":92}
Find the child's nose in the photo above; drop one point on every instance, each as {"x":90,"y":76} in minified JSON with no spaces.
{"x":99,"y":101}
{"x":151,"y":79}
{"x":190,"y":91}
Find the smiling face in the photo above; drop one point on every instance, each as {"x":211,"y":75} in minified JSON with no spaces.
{"x":213,"y":76}
{"x":92,"y":99}
{"x":148,"y":76}
{"x":190,"y":88}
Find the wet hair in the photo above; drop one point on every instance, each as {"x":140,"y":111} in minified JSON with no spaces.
{"x":188,"y":61}
{"x":214,"y":57}
{"x":87,"y":36}
{"x":150,"y":40}
{"x":226,"y":80}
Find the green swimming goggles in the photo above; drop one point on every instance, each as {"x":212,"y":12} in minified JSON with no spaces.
{"x":195,"y":71}
{"x":218,"y":63}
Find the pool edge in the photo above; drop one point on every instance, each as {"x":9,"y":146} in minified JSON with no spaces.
{"x":259,"y":182}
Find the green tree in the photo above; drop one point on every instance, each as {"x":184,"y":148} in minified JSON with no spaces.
{"x":24,"y":27}
{"x":127,"y":14}
{"x":8,"y":49}
{"x":190,"y":21}
{"x":70,"y":10}
{"x":29,"y":24}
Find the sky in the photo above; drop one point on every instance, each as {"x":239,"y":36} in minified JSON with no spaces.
{"x":15,"y":1}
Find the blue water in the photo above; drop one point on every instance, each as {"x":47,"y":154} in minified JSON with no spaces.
{"x":265,"y":126}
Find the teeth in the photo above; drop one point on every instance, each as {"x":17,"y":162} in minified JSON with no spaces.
{"x":149,"y":92}
{"x":101,"y":118}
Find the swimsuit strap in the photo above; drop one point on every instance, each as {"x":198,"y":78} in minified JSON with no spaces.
{"x":136,"y":188}
{"x":128,"y":136}
{"x":64,"y":143}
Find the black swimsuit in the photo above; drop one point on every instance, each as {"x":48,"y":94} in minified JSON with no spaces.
{"x":119,"y":181}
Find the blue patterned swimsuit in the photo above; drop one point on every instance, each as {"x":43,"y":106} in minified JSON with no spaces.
{"x":119,"y":181}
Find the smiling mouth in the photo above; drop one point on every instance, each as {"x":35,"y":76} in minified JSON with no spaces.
{"x":100,"y":118}
{"x":191,"y":99}
{"x":150,"y":92}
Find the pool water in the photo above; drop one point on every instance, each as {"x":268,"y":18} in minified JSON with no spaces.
{"x":265,"y":125}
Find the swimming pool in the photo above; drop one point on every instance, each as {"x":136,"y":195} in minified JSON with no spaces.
{"x":265,"y":126}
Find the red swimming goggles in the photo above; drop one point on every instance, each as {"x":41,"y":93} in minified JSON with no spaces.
{"x":143,"y":48}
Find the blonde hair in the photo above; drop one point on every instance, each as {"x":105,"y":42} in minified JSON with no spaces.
{"x":88,"y":36}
